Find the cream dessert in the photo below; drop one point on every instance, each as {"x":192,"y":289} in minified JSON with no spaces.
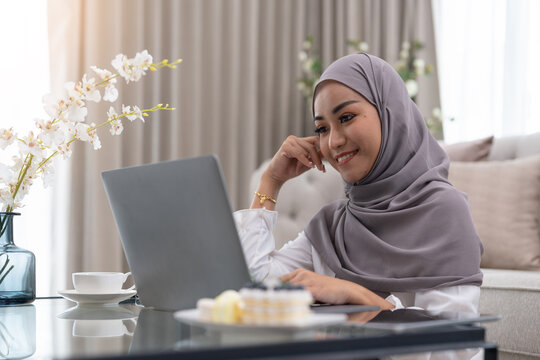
{"x":271,"y":303}
{"x":282,"y":304}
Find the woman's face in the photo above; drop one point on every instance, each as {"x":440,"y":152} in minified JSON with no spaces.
{"x":349,"y":130}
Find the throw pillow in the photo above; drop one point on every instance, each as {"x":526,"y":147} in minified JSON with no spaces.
{"x":505,"y":203}
{"x":476,"y":150}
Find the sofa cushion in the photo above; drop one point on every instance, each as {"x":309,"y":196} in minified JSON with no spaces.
{"x":505,"y":203}
{"x":512,"y":147}
{"x":514,"y":294}
{"x":476,"y":150}
{"x":511,"y":280}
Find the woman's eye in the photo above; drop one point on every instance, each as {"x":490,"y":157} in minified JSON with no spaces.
{"x":346,"y":117}
{"x":320,"y":130}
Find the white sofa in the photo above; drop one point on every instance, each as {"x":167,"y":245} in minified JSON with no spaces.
{"x":515,"y":294}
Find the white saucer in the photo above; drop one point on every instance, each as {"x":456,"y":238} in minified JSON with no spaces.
{"x":81,"y":298}
{"x":98,"y":312}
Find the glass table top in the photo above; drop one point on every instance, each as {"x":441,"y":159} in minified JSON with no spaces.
{"x":58,"y":328}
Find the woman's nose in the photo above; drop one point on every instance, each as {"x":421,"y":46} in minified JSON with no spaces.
{"x":336,"y":139}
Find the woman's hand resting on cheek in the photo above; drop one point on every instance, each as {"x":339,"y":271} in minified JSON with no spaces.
{"x":331,"y":290}
{"x":294,"y":157}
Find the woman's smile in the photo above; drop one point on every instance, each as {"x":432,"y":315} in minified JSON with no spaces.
{"x":344,"y":157}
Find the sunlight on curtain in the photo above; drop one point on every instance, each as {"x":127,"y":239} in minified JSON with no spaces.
{"x":24,"y":70}
{"x":487,"y":54}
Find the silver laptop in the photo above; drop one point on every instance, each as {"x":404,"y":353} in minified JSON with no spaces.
{"x":177,"y":230}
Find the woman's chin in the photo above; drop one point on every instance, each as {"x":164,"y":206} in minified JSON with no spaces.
{"x":349,"y":174}
{"x":351,"y":178}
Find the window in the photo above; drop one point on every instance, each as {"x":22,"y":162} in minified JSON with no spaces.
{"x":487,"y":54}
{"x":24,"y":70}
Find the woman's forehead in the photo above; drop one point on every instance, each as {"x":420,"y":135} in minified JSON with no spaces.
{"x":331,"y":92}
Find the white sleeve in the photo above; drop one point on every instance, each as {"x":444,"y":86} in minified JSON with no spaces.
{"x":255,"y":231}
{"x":462,"y":298}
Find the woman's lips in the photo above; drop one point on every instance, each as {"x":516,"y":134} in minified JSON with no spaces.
{"x":345,"y":157}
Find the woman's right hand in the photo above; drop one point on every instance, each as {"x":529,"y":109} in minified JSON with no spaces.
{"x":294,"y":157}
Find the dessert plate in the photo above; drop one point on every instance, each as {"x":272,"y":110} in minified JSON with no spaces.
{"x":313,"y":321}
{"x":81,"y":298}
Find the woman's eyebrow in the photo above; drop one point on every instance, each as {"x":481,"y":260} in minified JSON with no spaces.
{"x":342,"y":105}
{"x":337,"y":108}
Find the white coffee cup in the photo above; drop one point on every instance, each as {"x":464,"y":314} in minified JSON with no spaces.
{"x":100,"y":282}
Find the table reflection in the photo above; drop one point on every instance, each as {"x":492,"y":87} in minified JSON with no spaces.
{"x":128,"y":329}
{"x":17,"y":331}
{"x":362,"y":317}
{"x":94,"y":329}
{"x":157,"y":331}
{"x":95,"y":320}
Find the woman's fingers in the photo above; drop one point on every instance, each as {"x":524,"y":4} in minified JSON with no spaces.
{"x":294,"y":151}
{"x":312,"y":150}
{"x":323,"y":288}
{"x":316,"y":151}
{"x":295,"y":156}
{"x":291,"y":276}
{"x":305,"y":150}
{"x":287,"y":277}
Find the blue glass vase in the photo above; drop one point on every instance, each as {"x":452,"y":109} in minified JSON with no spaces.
{"x":17,"y":267}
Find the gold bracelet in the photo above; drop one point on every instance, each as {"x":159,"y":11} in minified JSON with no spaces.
{"x":263,"y":198}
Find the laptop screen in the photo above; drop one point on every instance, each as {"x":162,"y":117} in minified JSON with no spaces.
{"x":177,"y":230}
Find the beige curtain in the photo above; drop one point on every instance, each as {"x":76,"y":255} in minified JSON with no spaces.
{"x":235,"y":92}
{"x":384,"y":25}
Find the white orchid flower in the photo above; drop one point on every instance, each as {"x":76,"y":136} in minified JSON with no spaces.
{"x":64,"y":149}
{"x":142,"y":60}
{"x":77,"y":113}
{"x":89,"y":90}
{"x":47,"y":176}
{"x":111,"y":93}
{"x":6,"y":175}
{"x":105,"y":75}
{"x":412,"y":87}
{"x":30,"y":145}
{"x":66,"y":124}
{"x":7,"y":137}
{"x":363,"y":47}
{"x":115,"y":121}
{"x":419,"y":66}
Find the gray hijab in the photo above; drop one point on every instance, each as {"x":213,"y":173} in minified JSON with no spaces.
{"x":403,"y":227}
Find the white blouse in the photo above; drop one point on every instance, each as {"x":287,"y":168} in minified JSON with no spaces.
{"x":264,"y":261}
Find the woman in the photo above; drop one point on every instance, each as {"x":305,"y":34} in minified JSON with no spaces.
{"x":404,"y":236}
